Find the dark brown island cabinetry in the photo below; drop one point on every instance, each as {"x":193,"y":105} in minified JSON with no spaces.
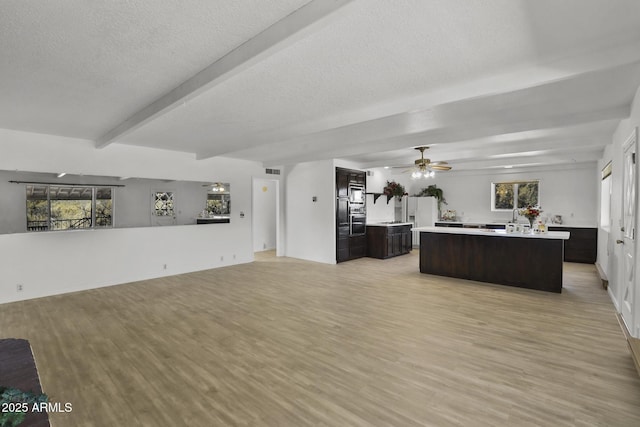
{"x":526,"y":262}
{"x":582,"y":246}
{"x":351,"y":240}
{"x":388,"y":241}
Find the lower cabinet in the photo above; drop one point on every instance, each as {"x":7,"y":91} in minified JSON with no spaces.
{"x":582,"y":245}
{"x":387,"y":242}
{"x":358,"y":246}
{"x":350,"y":247}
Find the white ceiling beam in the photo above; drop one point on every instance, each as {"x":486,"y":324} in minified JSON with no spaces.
{"x":507,"y":152}
{"x":592,"y":155}
{"x":320,"y":150}
{"x":540,"y":102}
{"x":278,"y":36}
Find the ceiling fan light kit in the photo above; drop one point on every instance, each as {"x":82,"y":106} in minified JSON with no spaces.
{"x":420,"y":174}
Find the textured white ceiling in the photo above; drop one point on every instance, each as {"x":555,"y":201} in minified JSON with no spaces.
{"x":77,"y":67}
{"x":535,"y":80}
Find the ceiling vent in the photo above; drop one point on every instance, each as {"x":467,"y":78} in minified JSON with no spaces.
{"x":273,"y":171}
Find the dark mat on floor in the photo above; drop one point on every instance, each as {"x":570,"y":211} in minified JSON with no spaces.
{"x":18,"y":370}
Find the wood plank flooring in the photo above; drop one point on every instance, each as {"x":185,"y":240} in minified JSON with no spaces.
{"x":284,"y":342}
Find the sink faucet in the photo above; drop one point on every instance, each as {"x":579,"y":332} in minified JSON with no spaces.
{"x":514,"y":215}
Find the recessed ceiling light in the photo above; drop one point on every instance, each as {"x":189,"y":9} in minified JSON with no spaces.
{"x":508,"y":167}
{"x":61,"y":174}
{"x":387,"y":167}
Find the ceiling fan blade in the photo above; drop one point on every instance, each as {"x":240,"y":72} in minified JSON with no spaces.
{"x":439,"y":167}
{"x":440,"y":163}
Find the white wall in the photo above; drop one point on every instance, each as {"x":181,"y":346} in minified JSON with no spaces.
{"x":570,"y":192}
{"x":310,"y":233}
{"x":56,"y":262}
{"x":67,"y":261}
{"x":264,"y":214}
{"x":380,"y":210}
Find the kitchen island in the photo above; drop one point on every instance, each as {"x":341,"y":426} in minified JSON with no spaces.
{"x":531,"y":261}
{"x":388,"y":239}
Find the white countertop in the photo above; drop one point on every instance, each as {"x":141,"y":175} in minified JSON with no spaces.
{"x":572,"y":225}
{"x":387,"y":224}
{"x":563,"y":235}
{"x":549,"y":224}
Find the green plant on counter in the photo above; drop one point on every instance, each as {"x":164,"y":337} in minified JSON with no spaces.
{"x":15,"y":401}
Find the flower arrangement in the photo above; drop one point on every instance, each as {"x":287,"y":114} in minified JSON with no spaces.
{"x":530,"y":212}
{"x":449,"y":215}
{"x":393,"y":189}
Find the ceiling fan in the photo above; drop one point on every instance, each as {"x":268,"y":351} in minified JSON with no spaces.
{"x":215,"y":187}
{"x":425,"y":168}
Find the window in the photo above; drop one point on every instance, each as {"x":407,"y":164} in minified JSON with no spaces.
{"x":512,"y":195}
{"x":68,"y":207}
{"x":163,"y":203}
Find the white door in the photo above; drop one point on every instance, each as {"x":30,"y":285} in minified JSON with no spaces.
{"x":629,"y":203}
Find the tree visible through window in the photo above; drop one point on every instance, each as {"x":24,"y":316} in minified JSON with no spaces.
{"x":163,"y":203}
{"x":68,"y":207}
{"x":512,"y":195}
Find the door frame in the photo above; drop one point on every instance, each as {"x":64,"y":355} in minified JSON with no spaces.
{"x":279,"y":238}
{"x":629,"y":316}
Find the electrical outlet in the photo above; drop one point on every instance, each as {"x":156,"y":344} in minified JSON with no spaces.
{"x":164,"y":266}
{"x":19,"y":287}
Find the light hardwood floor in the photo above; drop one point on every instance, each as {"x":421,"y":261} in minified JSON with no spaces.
{"x":283,"y":342}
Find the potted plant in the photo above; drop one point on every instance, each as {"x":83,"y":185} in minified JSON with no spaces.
{"x":393,"y":189}
{"x":433,"y":191}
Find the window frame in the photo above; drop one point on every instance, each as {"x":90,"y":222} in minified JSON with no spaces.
{"x":606,"y":190}
{"x":516,"y":186}
{"x":155,"y":212}
{"x":49,"y":219}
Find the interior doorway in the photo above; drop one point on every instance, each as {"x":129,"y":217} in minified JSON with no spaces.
{"x":266,"y":214}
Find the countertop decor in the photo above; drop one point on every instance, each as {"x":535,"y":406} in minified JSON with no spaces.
{"x":531,"y":213}
{"x":449,"y":215}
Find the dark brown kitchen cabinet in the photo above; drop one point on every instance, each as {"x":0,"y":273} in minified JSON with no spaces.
{"x":351,"y":241}
{"x":582,"y":245}
{"x":342,"y":184}
{"x":388,"y":241}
